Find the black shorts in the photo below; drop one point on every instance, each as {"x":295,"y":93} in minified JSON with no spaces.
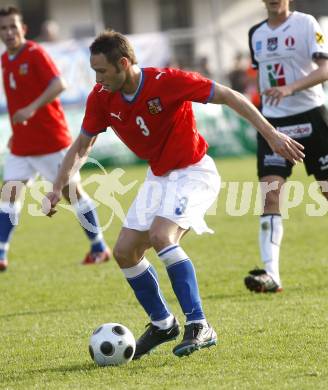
{"x":310,"y":129}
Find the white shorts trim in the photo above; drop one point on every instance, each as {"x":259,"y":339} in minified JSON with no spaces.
{"x":183,"y":197}
{"x":26,"y":168}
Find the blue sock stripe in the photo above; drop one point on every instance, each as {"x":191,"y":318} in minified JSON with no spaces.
{"x":153,"y":274}
{"x":166,"y":250}
{"x":184,"y":282}
{"x":89,"y":221}
{"x":178,"y":262}
{"x":93,"y":229}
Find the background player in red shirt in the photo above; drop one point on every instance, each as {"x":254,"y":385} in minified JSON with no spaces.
{"x":40,"y":134}
{"x":150,"y":110}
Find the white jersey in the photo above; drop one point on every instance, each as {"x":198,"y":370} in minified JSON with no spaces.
{"x":285,"y":54}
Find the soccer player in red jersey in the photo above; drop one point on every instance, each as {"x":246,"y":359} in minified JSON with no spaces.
{"x":40,"y":136}
{"x":150,"y":109}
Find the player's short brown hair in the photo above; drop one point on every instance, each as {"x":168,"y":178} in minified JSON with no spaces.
{"x":7,"y":11}
{"x":114,"y":46}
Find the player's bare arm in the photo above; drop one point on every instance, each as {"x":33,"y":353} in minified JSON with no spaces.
{"x":274,"y":95}
{"x":280,"y":143}
{"x":56,"y":86}
{"x":74,"y":159}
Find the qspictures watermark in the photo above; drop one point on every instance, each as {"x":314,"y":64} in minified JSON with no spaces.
{"x":236,"y":198}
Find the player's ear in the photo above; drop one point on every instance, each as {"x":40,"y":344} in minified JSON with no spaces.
{"x":25,"y":28}
{"x":124,"y":62}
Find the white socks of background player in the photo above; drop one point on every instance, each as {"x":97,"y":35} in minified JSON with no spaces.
{"x":271,"y":232}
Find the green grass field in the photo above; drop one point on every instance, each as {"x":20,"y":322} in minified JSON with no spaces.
{"x":50,"y":304}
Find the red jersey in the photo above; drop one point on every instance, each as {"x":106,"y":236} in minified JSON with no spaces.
{"x":158,"y":125}
{"x":25,"y":78}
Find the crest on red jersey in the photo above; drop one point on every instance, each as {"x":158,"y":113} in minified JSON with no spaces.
{"x":154,"y":106}
{"x":23,"y":69}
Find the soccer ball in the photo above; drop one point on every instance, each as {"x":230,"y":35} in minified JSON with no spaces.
{"x":112,"y":344}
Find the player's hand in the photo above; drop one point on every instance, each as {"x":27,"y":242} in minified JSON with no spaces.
{"x":49,"y":203}
{"x":23,"y":115}
{"x":286,"y":147}
{"x":274,"y":95}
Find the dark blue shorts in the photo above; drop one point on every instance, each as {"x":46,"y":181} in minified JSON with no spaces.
{"x":310,"y":129}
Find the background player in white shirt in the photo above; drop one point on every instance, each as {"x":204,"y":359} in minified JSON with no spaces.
{"x":291,"y":55}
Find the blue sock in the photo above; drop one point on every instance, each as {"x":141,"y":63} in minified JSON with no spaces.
{"x":144,"y":282}
{"x":9,"y":214}
{"x":87,"y":214}
{"x":184,"y":282}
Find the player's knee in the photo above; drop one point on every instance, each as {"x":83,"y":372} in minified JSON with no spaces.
{"x":119,"y":252}
{"x":123,"y":255}
{"x":159,"y":239}
{"x":325,"y":194}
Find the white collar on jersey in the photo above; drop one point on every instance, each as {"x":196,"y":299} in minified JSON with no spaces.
{"x":281,"y":24}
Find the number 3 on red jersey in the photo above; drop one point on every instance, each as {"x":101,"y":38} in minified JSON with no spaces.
{"x":141,"y":123}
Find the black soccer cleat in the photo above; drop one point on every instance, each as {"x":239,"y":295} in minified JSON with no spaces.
{"x":155,"y":336}
{"x":261,"y":282}
{"x":196,"y":336}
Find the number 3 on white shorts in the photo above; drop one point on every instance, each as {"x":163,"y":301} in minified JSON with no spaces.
{"x":141,"y":123}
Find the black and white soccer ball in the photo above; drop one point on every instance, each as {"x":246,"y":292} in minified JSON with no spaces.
{"x":112,"y":344}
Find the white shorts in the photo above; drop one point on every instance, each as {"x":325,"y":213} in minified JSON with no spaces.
{"x":26,"y":168}
{"x":183,"y":197}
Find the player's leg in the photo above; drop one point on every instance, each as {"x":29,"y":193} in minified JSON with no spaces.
{"x":88,"y":217}
{"x":196,"y":188}
{"x":316,"y":161}
{"x":271,"y":227}
{"x":9,"y":216}
{"x":270,"y":236}
{"x":17,"y":172}
{"x":165,"y":237}
{"x":272,"y":172}
{"x":47,"y":165}
{"x":129,"y":252}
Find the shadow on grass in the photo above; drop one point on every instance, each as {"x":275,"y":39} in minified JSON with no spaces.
{"x":34,"y":312}
{"x":288,"y":291}
{"x":86,"y":367}
{"x":238,"y":296}
{"x":56,"y":310}
{"x":133,"y":367}
{"x":64,"y":369}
